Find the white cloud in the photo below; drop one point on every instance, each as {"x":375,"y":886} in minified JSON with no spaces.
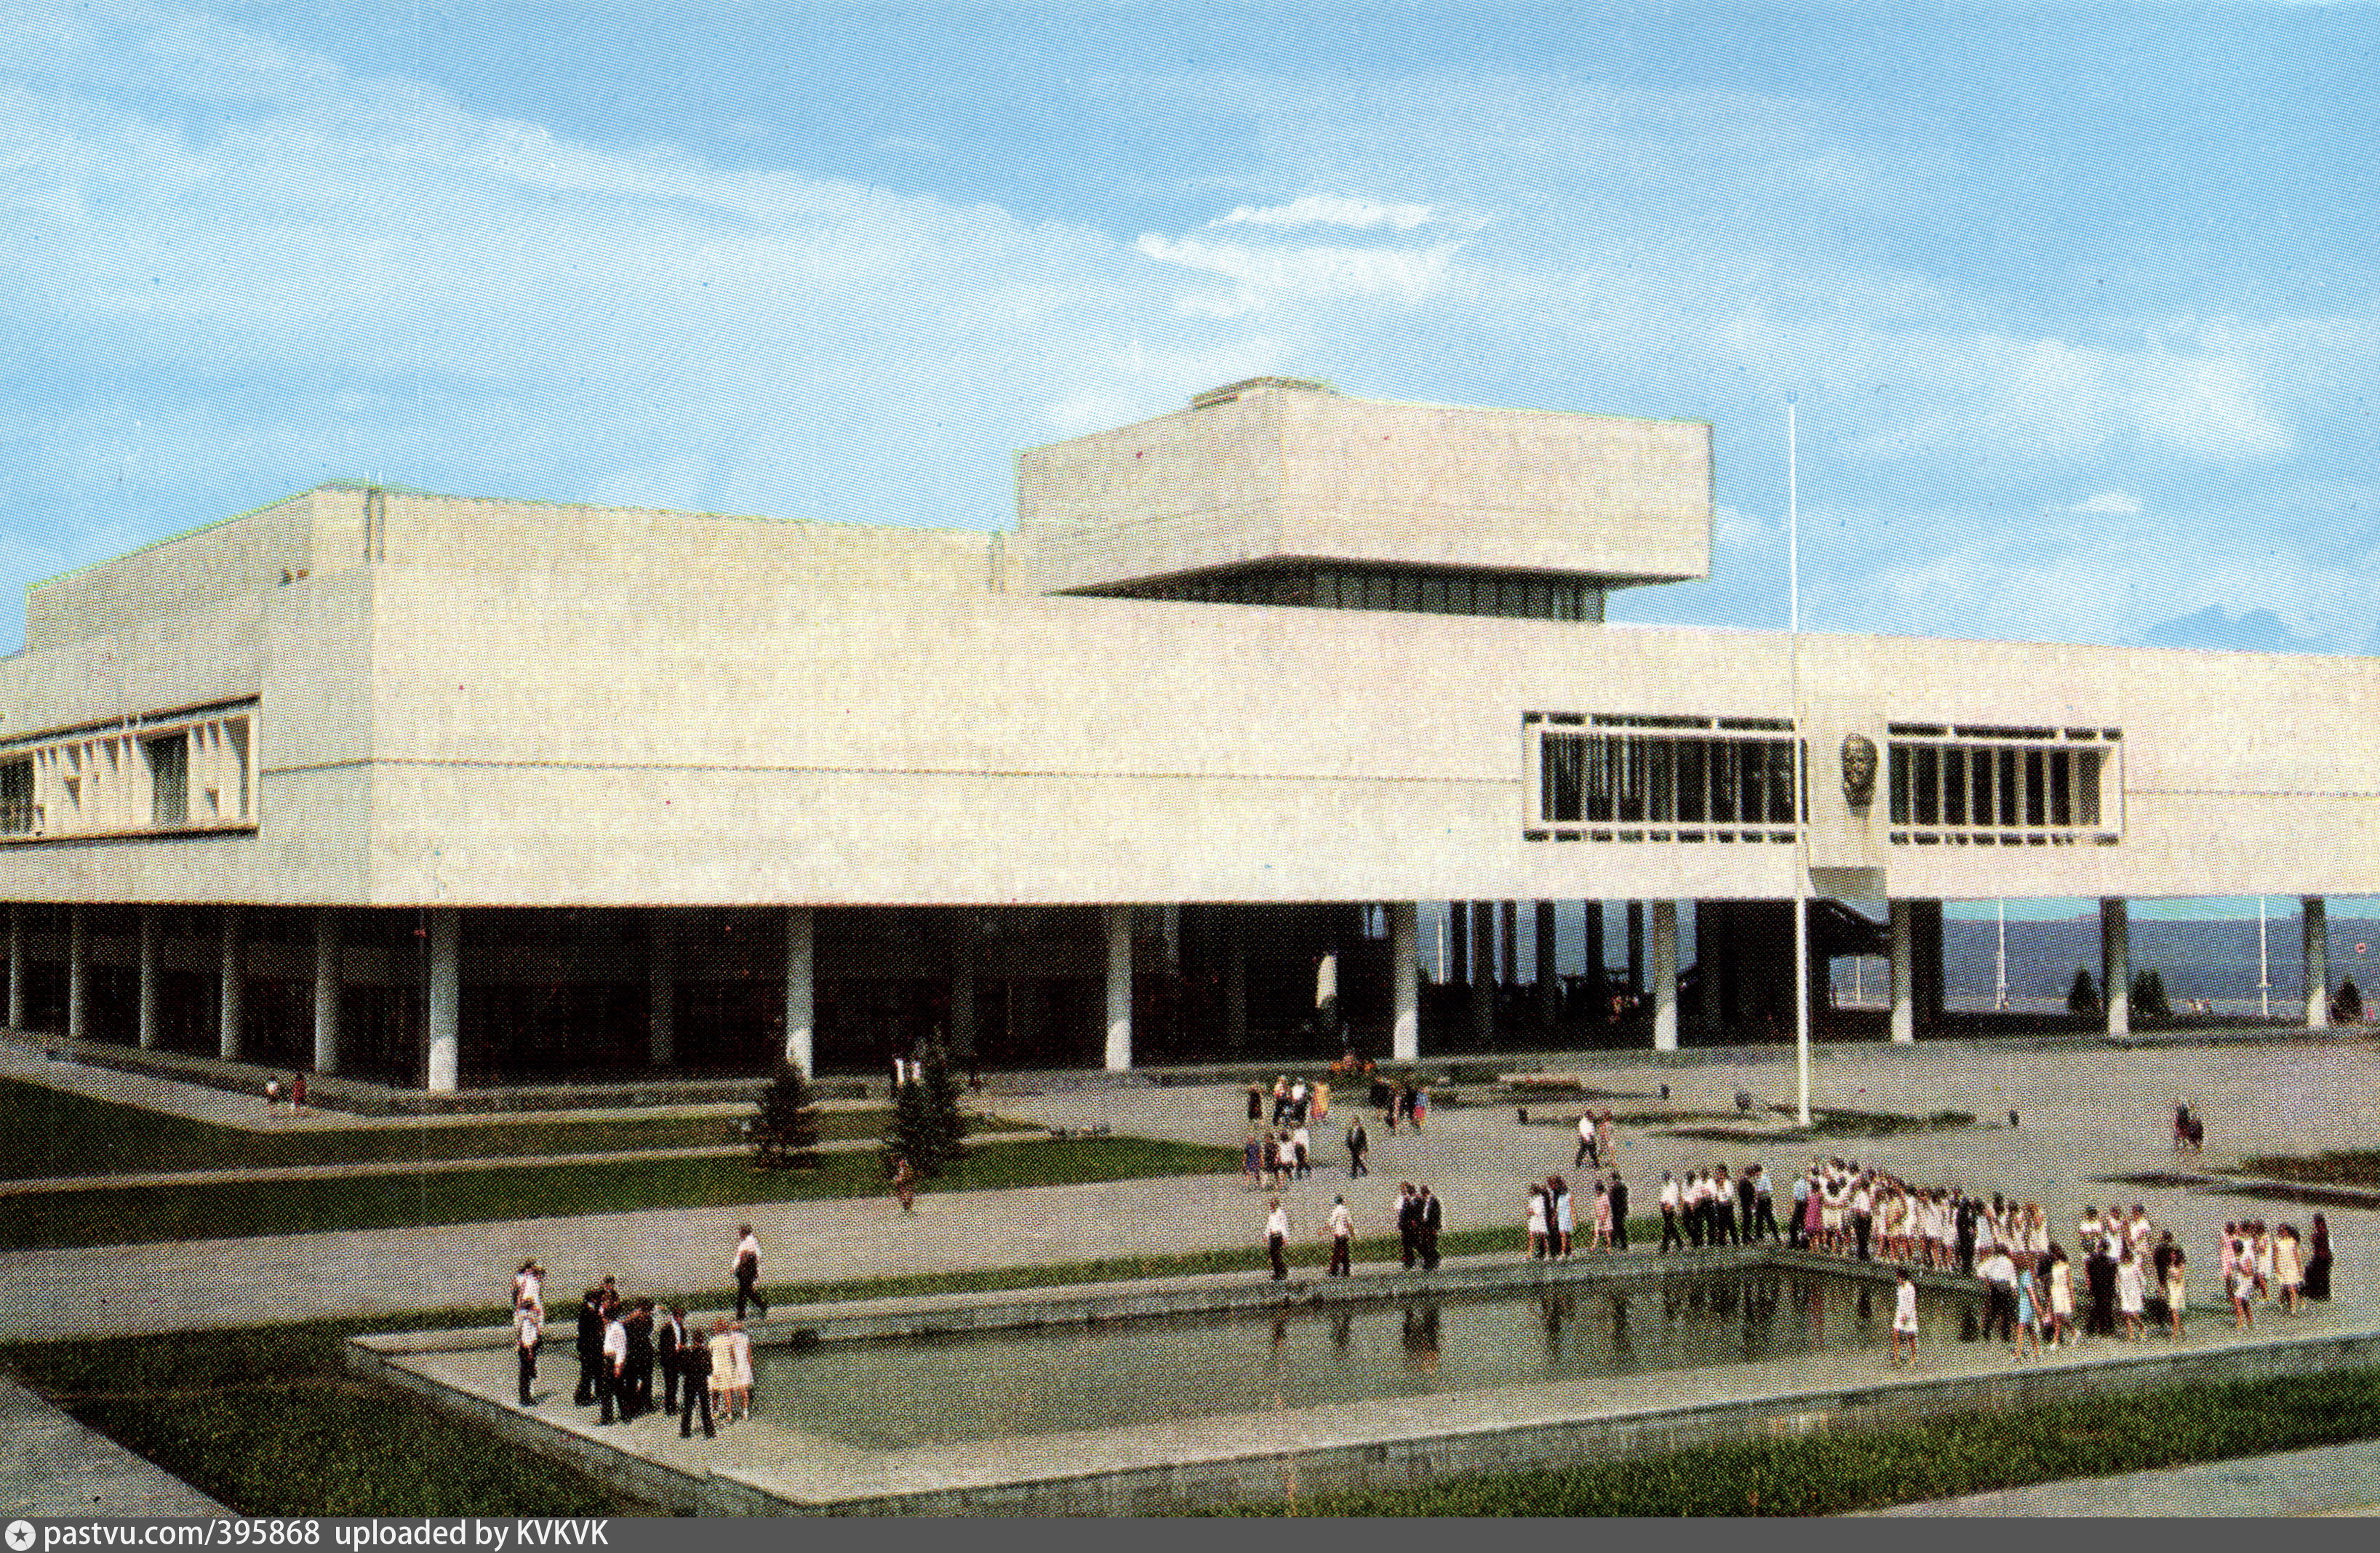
{"x":2107,"y":502}
{"x":1271,"y":274}
{"x":1326,"y":209}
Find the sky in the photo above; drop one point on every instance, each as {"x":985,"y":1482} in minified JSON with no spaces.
{"x":2080,"y":307}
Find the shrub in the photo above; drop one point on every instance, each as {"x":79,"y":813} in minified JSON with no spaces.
{"x":2148,"y":995}
{"x":2347,"y":1003}
{"x":785,"y":1133}
{"x":926,"y":1127}
{"x":2082,"y":998}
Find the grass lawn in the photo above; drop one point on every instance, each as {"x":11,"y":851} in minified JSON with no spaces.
{"x":105,"y":1216}
{"x":2348,"y":1166}
{"x":50,"y":1132}
{"x":230,"y":1412}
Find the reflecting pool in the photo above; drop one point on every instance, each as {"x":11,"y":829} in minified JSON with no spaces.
{"x":895,"y":1394}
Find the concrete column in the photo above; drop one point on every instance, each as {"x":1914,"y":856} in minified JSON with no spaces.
{"x":16,"y":936}
{"x":1665,"y":976}
{"x":801,"y":1000}
{"x":231,"y":1006}
{"x":445,"y":1011}
{"x":1549,"y":975}
{"x":1235,"y":978}
{"x":77,"y":972}
{"x":1508,"y":944}
{"x":2314,"y":927}
{"x":1483,"y":972}
{"x":1118,"y":922}
{"x":1405,"y":981}
{"x":326,"y":990}
{"x":149,"y":928}
{"x":1904,"y":987}
{"x":1594,"y":956}
{"x":2116,"y":949}
{"x":660,"y":989}
{"x":1635,"y":946}
{"x":1458,"y":942}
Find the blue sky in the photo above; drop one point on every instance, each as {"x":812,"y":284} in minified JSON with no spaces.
{"x":2080,"y":304}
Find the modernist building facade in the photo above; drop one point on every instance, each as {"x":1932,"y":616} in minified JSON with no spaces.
{"x":451,"y":791}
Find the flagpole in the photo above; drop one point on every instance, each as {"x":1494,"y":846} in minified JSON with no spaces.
{"x":1801,"y":778}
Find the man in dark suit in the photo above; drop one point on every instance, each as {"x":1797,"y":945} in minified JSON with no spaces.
{"x":1617,"y":1194}
{"x":639,"y":1400}
{"x":666,"y":1337}
{"x":694,"y":1366}
{"x":591,"y":1345}
{"x":1409,"y":1223}
{"x":1433,"y":1218}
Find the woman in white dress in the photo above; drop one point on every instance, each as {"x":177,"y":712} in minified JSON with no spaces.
{"x":1537,"y":1222}
{"x":723,"y":1372}
{"x":740,"y":1344}
{"x":2062,"y":1296}
{"x":2288,"y":1267}
{"x":2131,"y":1295}
{"x":1565,"y":1217}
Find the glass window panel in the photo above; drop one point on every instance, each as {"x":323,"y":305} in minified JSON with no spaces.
{"x":1897,"y":782}
{"x":2007,"y":785}
{"x":1928,"y":793}
{"x":2061,"y":789}
{"x":1326,"y":588}
{"x":1982,"y":765}
{"x":1694,"y":806}
{"x":2035,"y":781}
{"x":1559,"y":777}
{"x":1598,"y":778}
{"x":1661,"y":780}
{"x":1780,"y":781}
{"x":2087,"y":764}
{"x":1723,"y":790}
{"x":1954,"y":787}
{"x":1541,"y":602}
{"x":1511,"y":598}
{"x":1753,"y":767}
{"x":1433,"y":595}
{"x":1408,"y":592}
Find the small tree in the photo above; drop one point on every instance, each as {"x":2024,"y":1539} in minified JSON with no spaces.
{"x":2082,"y":998}
{"x":2148,"y":995}
{"x":2347,"y":1003}
{"x":785,"y":1133}
{"x":926,"y":1127}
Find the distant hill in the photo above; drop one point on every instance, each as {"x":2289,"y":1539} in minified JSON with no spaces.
{"x":2213,"y":960}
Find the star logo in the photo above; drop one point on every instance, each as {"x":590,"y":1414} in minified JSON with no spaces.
{"x":20,"y":1536}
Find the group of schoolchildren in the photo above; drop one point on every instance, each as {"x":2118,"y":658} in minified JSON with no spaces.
{"x":1283,"y":1149}
{"x":622,"y":1342}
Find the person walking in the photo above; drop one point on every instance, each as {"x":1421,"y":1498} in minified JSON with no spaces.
{"x":528,"y":1332}
{"x":1587,"y":1152}
{"x":748,"y":1273}
{"x":1277,"y":1239}
{"x":1359,"y":1142}
{"x":905,"y":1191}
{"x":1343,"y":1239}
{"x":722,"y":1349}
{"x":1616,"y":1199}
{"x":739,"y":1345}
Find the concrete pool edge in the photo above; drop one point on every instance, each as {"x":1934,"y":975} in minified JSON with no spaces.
{"x":1210,"y":1462}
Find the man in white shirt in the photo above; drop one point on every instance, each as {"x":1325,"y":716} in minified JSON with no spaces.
{"x":1277,"y":1240}
{"x":1586,"y":1149}
{"x":528,"y":1332}
{"x":613,"y":1379}
{"x":1671,"y":1198}
{"x":748,"y":1273}
{"x":1343,"y":1237}
{"x":1998,"y":1273}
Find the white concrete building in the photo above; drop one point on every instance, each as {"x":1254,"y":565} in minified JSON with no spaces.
{"x":453,"y":791}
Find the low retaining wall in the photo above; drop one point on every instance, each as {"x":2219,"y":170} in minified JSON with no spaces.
{"x":1158,"y":1470}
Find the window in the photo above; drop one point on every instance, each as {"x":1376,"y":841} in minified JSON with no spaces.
{"x":16,"y":798}
{"x":2024,"y":785}
{"x":169,"y":778}
{"x":1660,"y":773}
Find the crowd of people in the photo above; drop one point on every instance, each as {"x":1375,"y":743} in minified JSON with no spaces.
{"x":623,"y":1345}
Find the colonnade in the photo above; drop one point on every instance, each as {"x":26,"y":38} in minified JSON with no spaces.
{"x":1476,"y":931}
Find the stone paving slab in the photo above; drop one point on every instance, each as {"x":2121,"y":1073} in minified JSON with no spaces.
{"x":50,"y":1465}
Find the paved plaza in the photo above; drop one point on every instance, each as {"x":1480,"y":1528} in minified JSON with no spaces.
{"x":2085,"y":1110}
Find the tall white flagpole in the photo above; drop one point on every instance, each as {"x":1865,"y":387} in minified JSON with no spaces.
{"x":1801,"y":778}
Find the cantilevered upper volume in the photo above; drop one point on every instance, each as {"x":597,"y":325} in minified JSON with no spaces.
{"x":1275,"y":473}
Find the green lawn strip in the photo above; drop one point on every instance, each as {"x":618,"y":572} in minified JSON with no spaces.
{"x":52,"y":1132}
{"x":1942,"y":1458}
{"x":269,"y":1421}
{"x":2346,"y":1166}
{"x":102,"y":1216}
